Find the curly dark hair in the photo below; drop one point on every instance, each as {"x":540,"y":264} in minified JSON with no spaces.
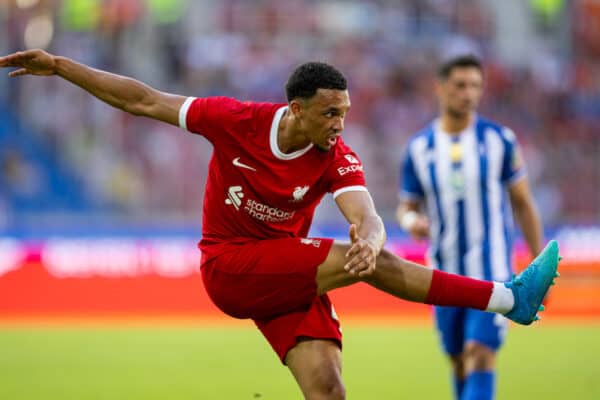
{"x":308,"y":77}
{"x":468,"y":60}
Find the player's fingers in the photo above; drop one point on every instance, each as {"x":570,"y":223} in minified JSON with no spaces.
{"x":365,"y":267}
{"x":11,"y":59}
{"x":352,"y":264}
{"x":362,"y":262}
{"x":366,"y":253}
{"x":8,"y":61}
{"x":358,"y":267}
{"x":368,"y":271}
{"x":19,"y":72}
{"x":17,"y":59}
{"x":353,"y":250}
{"x":358,"y":247}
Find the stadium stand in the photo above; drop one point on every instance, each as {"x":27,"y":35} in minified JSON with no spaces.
{"x":84,"y":154}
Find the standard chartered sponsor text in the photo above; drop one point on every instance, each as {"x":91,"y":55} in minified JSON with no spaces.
{"x":267,"y":213}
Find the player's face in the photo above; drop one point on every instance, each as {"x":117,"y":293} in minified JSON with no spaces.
{"x":461,"y":92}
{"x":322,"y":117}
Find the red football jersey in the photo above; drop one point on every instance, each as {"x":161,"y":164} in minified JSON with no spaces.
{"x":253,"y":190}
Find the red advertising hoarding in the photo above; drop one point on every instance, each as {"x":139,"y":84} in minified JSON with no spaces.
{"x":126,"y":276}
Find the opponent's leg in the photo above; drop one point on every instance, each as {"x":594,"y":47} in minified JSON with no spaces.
{"x":458,"y":375}
{"x":484,"y":335}
{"x":317,"y":367}
{"x":479,"y":363}
{"x":450,"y":324}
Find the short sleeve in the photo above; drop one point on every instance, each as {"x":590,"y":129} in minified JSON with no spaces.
{"x":410,"y":185}
{"x":513,"y":166}
{"x":345,"y":172}
{"x":213,"y":116}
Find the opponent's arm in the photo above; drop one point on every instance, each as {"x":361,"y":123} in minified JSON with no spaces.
{"x":119,"y":91}
{"x":526,"y":214}
{"x":367,"y":232}
{"x":409,"y":218}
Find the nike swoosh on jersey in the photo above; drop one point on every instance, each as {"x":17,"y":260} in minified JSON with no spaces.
{"x":237,"y":163}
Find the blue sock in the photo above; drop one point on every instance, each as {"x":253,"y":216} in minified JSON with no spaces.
{"x":459,"y":385}
{"x":479,"y":385}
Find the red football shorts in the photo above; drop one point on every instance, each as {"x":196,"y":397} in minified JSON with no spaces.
{"x":273,"y":282}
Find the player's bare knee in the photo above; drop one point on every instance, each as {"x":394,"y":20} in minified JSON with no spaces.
{"x":317,"y":366}
{"x":328,"y":385}
{"x":327,"y":382}
{"x":479,"y":357}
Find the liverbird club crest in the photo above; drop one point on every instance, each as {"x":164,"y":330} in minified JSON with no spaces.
{"x":299,"y":193}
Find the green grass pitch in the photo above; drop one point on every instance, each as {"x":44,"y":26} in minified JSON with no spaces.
{"x":195,"y":362}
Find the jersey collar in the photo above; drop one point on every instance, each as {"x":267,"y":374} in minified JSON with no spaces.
{"x":273,"y":139}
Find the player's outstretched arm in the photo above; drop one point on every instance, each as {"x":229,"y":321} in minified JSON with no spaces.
{"x":119,"y":91}
{"x":367,"y":232}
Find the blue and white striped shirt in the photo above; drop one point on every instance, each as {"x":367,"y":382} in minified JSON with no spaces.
{"x":462,"y":179}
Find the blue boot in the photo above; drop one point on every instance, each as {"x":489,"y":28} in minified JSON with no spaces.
{"x":531,"y":285}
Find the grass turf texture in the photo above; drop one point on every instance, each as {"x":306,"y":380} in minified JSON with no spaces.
{"x":380,"y":362}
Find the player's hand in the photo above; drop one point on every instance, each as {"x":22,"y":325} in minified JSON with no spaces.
{"x":30,"y":62}
{"x":361,"y":255}
{"x":420,"y":228}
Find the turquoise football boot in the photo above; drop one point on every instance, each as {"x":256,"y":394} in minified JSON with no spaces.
{"x":531,"y":285}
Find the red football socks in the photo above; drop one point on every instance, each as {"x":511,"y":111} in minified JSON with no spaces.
{"x":458,"y":291}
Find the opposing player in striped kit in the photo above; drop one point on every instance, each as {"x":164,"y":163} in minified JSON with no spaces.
{"x":462,"y":167}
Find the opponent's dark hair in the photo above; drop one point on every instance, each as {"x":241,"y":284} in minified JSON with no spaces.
{"x":468,"y":60}
{"x":308,"y":77}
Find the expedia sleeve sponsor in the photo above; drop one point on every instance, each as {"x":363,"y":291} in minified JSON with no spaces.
{"x":345,"y":170}
{"x":354,"y":166}
{"x":349,"y":169}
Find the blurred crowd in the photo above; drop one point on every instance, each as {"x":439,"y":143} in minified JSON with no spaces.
{"x":542,"y":61}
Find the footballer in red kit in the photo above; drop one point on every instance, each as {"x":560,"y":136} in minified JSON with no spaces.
{"x":271,"y":165}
